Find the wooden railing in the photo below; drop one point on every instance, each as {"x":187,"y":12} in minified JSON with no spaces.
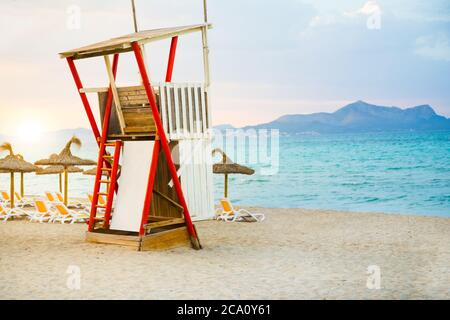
{"x":184,"y":110}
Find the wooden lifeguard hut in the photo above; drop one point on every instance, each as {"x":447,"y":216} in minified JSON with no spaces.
{"x":148,"y":204}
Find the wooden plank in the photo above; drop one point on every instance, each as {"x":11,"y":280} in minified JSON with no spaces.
{"x":130,"y":137}
{"x":197,"y":176}
{"x":169,"y":110}
{"x":158,"y":218}
{"x":144,"y":129}
{"x":106,"y":238}
{"x":208,"y":110}
{"x":178,"y":237}
{"x":203,"y":179}
{"x":206,"y":70}
{"x":191,"y":111}
{"x":188,"y":177}
{"x":123,"y":43}
{"x":115,"y":93}
{"x":177,"y":107}
{"x":94,"y":90}
{"x":171,"y":201}
{"x":184,"y":110}
{"x":163,"y":107}
{"x":159,"y":206}
{"x":197,"y":117}
{"x":209,"y":178}
{"x":203,"y":101}
{"x":159,"y":224}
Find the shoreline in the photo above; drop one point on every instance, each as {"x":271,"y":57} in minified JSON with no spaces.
{"x":85,"y":201}
{"x":293,"y":254}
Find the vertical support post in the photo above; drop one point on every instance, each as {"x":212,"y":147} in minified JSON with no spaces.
{"x":11,"y":191}
{"x":84,"y":99}
{"x":206,"y":57}
{"x":112,"y":187}
{"x":163,"y":139}
{"x":60,"y":183}
{"x":22,"y":191}
{"x":133,"y":6}
{"x":66,"y":186}
{"x":173,"y":49}
{"x":225,"y":185}
{"x":150,"y":184}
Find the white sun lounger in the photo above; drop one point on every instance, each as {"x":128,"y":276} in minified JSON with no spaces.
{"x":229,"y":214}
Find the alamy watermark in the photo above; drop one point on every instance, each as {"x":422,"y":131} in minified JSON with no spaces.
{"x":258,"y":149}
{"x":73,"y":21}
{"x":73,"y":281}
{"x":374,"y":277}
{"x":373,"y":10}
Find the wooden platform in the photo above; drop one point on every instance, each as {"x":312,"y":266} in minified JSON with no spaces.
{"x":162,"y":239}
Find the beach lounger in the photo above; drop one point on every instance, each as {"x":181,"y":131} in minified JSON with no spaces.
{"x":43,"y":212}
{"x":22,"y":201}
{"x":51,"y":198}
{"x":229,"y":214}
{"x":4,"y":197}
{"x":101,"y":201}
{"x":6,"y":213}
{"x":71,"y":204}
{"x":64,"y":214}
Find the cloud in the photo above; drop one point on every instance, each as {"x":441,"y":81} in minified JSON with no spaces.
{"x":368,"y":9}
{"x":435,"y":47}
{"x":334,"y":17}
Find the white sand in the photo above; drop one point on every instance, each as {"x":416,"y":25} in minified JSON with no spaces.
{"x":294,"y":254}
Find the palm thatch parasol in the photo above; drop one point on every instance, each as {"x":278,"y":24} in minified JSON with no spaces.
{"x":227,"y":166}
{"x":12,"y":164}
{"x":66,"y":159}
{"x":59,"y":170}
{"x":91,"y":172}
{"x":22,"y":184}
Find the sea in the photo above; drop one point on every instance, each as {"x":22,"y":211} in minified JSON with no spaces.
{"x":400,"y":173}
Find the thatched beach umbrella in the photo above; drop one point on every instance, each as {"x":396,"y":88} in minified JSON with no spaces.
{"x":12,"y":164}
{"x":22,"y":185}
{"x":59,"y":170}
{"x":93,"y":172}
{"x":227,"y":166}
{"x":90,"y":172}
{"x":66,"y":159}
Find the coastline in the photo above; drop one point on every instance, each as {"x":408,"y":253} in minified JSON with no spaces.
{"x":293,"y":254}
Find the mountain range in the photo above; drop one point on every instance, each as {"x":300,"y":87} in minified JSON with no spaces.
{"x":359,"y":117}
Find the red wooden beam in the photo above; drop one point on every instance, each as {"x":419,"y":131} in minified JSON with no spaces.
{"x":84,"y":99}
{"x":150,"y":184}
{"x":163,"y":139}
{"x":173,"y":49}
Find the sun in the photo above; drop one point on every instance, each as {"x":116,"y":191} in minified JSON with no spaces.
{"x":29,"y":131}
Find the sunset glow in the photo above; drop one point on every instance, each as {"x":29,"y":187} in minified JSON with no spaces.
{"x":29,"y":130}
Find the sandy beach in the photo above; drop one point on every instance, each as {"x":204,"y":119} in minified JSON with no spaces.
{"x":293,"y":254}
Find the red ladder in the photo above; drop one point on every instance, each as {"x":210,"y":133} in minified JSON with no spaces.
{"x":104,"y":165}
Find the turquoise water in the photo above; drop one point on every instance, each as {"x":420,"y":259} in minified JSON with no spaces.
{"x":388,"y":172}
{"x":394,"y":173}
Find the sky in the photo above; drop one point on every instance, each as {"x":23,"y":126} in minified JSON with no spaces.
{"x":268,"y":58}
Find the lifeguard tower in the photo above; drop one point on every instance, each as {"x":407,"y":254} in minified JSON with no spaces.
{"x":144,"y":206}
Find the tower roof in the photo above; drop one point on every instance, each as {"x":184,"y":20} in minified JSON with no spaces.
{"x":123,"y":43}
